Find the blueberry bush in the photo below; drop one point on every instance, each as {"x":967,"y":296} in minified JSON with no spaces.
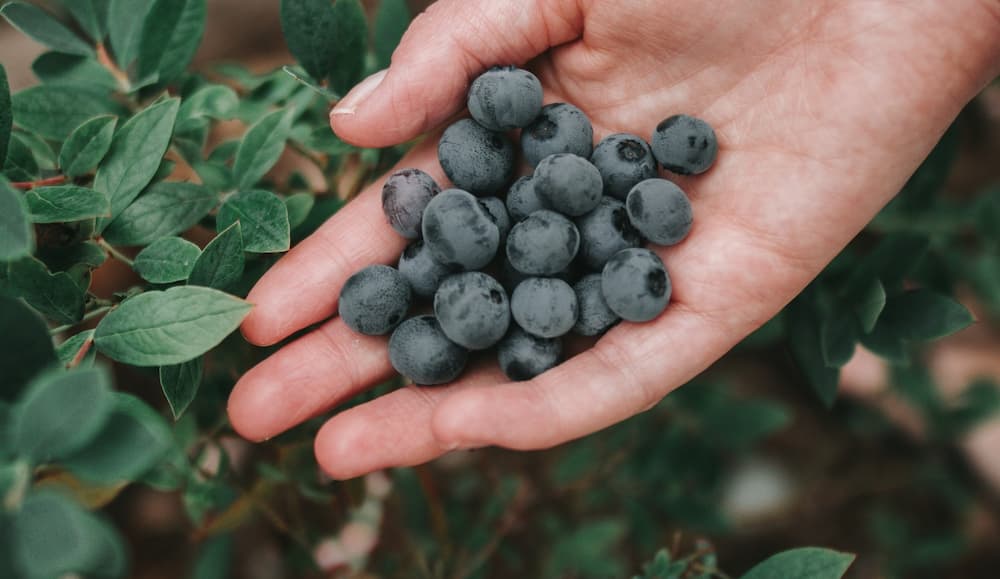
{"x":125,"y":166}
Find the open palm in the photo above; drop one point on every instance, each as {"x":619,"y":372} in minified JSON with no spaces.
{"x":822,"y":109}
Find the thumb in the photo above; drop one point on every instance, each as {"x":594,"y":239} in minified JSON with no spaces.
{"x":444,"y":47}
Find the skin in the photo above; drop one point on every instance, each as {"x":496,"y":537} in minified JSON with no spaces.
{"x":822,"y":109}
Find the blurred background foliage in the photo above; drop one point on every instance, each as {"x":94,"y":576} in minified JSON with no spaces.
{"x":757,"y":456}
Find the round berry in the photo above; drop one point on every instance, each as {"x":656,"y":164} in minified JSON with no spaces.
{"x":476,"y":159}
{"x":419,"y":350}
{"x":458,"y":231}
{"x":523,"y":356}
{"x":604,"y":232}
{"x":497,"y":211}
{"x":543,"y":244}
{"x":559,"y":128}
{"x":374,"y":300}
{"x":636,"y":285}
{"x":472,"y":309}
{"x":522,"y":199}
{"x":568,"y":184}
{"x":505,"y":98}
{"x":404,"y":196}
{"x":419,"y":268}
{"x":544,"y":307}
{"x":685,"y":145}
{"x":660,"y":211}
{"x":595,"y":315}
{"x":623,"y":160}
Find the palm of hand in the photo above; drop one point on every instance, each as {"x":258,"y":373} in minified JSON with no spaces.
{"x":822,"y":110}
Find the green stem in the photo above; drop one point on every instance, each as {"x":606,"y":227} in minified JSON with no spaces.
{"x":22,"y":481}
{"x":88,"y":316}
{"x":114,"y":252}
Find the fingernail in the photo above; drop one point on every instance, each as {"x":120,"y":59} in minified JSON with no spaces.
{"x":349,"y":104}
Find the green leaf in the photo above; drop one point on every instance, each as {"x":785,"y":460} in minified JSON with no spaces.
{"x":870,"y":301}
{"x":261,"y":148}
{"x":744,"y":423}
{"x":803,"y":563}
{"x":263,"y":217}
{"x":92,"y":15}
{"x":170,"y":37}
{"x":16,"y":236}
{"x":6,"y":117}
{"x":87,"y":146}
{"x":351,"y":35}
{"x":60,"y":413}
{"x":135,"y":155}
{"x":25,"y":352}
{"x":892,"y":260}
{"x":54,"y":536}
{"x":883,"y":341}
{"x":42,"y":27}
{"x":73,"y":69}
{"x":65,"y":203}
{"x":299,"y":206}
{"x":837,"y":339}
{"x":166,"y":208}
{"x":71,"y":348}
{"x":40,"y":150}
{"x":213,"y":101}
{"x":56,"y":295}
{"x":86,"y":253}
{"x":329,"y":42}
{"x":391,"y":21}
{"x":587,"y":552}
{"x":125,"y":24}
{"x":215,"y":558}
{"x":133,"y":441}
{"x":806,"y":344}
{"x":221,"y":264}
{"x":53,"y":111}
{"x":922,"y":315}
{"x":180,"y":384}
{"x":160,"y":328}
{"x":20,"y":164}
{"x":167,"y":260}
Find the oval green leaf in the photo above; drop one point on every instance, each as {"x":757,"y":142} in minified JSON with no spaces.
{"x":92,"y":15}
{"x":180,"y":384}
{"x":161,"y":328}
{"x":221,"y":264}
{"x":922,"y":315}
{"x":55,"y":295}
{"x":17,"y":238}
{"x":54,"y":110}
{"x":166,"y":208}
{"x":261,"y":148}
{"x":391,"y":21}
{"x":263,"y":217}
{"x":804,"y":563}
{"x":54,"y":536}
{"x":125,"y":22}
{"x":65,"y":203}
{"x":87,"y":145}
{"x":6,"y":117}
{"x":56,"y":67}
{"x":42,"y":27}
{"x":60,"y":413}
{"x":24,"y":353}
{"x":170,"y":36}
{"x":166,"y":260}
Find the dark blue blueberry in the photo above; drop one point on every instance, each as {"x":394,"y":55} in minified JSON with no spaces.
{"x":623,"y":160}
{"x":419,"y":350}
{"x":523,"y":356}
{"x":685,"y":145}
{"x":543,"y":244}
{"x":505,"y":98}
{"x":458,"y":231}
{"x":419,"y":268}
{"x":568,"y":184}
{"x":472,"y":309}
{"x":595,"y":315}
{"x":544,"y":307}
{"x":660,"y":211}
{"x":374,"y":300}
{"x":559,"y":128}
{"x":636,"y":285}
{"x":476,"y":159}
{"x":604,"y":232}
{"x":404,"y":196}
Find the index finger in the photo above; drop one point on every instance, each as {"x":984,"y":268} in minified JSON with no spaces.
{"x":302,"y":287}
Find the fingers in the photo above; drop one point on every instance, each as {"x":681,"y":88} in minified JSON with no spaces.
{"x":302,"y":288}
{"x":442,"y":50}
{"x":392,"y":430}
{"x":305,"y":378}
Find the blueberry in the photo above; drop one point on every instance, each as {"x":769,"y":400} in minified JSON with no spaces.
{"x":522,"y":199}
{"x":568,"y":184}
{"x":595,"y":315}
{"x":604,"y":232}
{"x":419,"y":268}
{"x":404,"y":196}
{"x":505,"y":98}
{"x":419,"y":350}
{"x":472,"y":309}
{"x":623,"y":161}
{"x":545,"y":307}
{"x":497,"y":212}
{"x":660,"y":211}
{"x":636,"y":285}
{"x":559,"y":128}
{"x":476,"y":159}
{"x":458,"y":231}
{"x":374,"y":300}
{"x":685,"y":145}
{"x":543,"y":244}
{"x":523,"y":356}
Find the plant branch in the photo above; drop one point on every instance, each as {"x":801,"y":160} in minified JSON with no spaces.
{"x":105,"y":59}
{"x":88,"y":316}
{"x":25,"y":185}
{"x":114,"y":252}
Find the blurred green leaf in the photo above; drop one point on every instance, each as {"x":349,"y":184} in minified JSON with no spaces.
{"x":16,"y":236}
{"x":164,"y":209}
{"x":180,"y":384}
{"x":299,"y":205}
{"x":263,"y":217}
{"x":161,"y":328}
{"x":894,"y":258}
{"x":391,"y":21}
{"x":328,"y":41}
{"x":807,"y":348}
{"x":87,"y":145}
{"x":838,"y":337}
{"x":60,"y":413}
{"x":213,"y":101}
{"x":869,"y":305}
{"x":53,"y":110}
{"x":92,"y":15}
{"x":885,"y":342}
{"x":55,"y":295}
{"x":58,"y":204}
{"x":73,"y":69}
{"x":70,"y":349}
{"x":41,"y":151}
{"x":743,"y":423}
{"x":6,"y":116}
{"x":166,"y":260}
{"x":170,"y":37}
{"x":136,"y":152}
{"x":215,"y":558}
{"x":803,"y":563}
{"x":920,"y":315}
{"x":42,"y":27}
{"x":588,"y":551}
{"x":24,"y":352}
{"x":125,"y":24}
{"x":134,"y":439}
{"x":20,"y":164}
{"x":86,"y":253}
{"x":222,"y":262}
{"x":261,"y":148}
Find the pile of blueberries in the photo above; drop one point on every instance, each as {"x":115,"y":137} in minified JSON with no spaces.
{"x":562,"y":254}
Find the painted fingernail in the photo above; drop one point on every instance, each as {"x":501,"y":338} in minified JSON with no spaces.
{"x":349,"y":104}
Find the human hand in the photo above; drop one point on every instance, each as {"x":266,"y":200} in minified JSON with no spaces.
{"x":822,"y":109}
